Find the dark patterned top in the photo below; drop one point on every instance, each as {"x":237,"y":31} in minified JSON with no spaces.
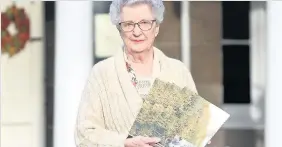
{"x":131,"y":73}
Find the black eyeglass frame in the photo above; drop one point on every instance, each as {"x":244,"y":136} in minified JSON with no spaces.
{"x":134,"y":24}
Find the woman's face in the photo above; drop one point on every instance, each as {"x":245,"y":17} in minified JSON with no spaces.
{"x":138,"y":37}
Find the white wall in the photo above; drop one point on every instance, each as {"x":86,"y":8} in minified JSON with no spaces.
{"x":273,"y":127}
{"x":22,"y":95}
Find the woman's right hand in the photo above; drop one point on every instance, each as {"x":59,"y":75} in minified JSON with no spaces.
{"x":141,"y":141}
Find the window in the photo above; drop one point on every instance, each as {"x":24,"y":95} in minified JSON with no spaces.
{"x":235,"y":17}
{"x":244,"y":63}
{"x":236,"y":52}
{"x":236,"y":68}
{"x":101,"y":11}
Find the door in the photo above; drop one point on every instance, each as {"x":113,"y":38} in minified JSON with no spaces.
{"x":22,"y":95}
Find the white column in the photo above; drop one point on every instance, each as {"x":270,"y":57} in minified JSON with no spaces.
{"x":73,"y":62}
{"x":258,"y":54}
{"x":273,"y":127}
{"x":185,"y":34}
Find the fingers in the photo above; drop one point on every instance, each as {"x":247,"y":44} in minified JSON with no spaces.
{"x":143,"y":144}
{"x":147,"y":145}
{"x":150,"y":140}
{"x":140,"y":141}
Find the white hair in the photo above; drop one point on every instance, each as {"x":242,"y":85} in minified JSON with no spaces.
{"x":117,"y":5}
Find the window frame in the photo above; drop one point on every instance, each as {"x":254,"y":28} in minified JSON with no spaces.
{"x":251,"y":116}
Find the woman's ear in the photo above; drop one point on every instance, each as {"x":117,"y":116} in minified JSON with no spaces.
{"x":157,"y":30}
{"x":118,"y":28}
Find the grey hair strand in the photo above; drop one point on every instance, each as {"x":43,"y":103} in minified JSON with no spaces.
{"x":117,"y":5}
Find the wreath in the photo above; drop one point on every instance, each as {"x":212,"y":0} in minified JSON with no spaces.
{"x":13,"y":44}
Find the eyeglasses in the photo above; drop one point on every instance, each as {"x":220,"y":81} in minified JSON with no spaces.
{"x":144,"y":25}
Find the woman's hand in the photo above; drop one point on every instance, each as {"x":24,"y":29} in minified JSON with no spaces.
{"x":141,"y":141}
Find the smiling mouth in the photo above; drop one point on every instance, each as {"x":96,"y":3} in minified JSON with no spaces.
{"x":137,"y":41}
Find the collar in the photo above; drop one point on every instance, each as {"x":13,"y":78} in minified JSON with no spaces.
{"x":156,"y":62}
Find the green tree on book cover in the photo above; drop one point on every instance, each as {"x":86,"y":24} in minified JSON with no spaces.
{"x":169,"y":111}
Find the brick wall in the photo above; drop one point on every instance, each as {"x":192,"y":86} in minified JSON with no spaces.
{"x":206,"y":54}
{"x":206,"y":49}
{"x":169,"y":38}
{"x":205,"y":19}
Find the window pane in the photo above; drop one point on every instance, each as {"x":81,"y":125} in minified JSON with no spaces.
{"x":106,"y":39}
{"x":236,"y":74}
{"x":101,"y":6}
{"x":235,"y":18}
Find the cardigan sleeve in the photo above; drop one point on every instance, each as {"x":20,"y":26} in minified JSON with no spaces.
{"x":90,"y":127}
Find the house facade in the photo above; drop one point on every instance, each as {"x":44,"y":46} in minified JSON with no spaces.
{"x":231,"y":49}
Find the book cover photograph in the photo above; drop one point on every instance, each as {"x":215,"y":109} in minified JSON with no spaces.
{"x":180,"y":117}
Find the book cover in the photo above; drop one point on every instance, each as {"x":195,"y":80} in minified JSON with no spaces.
{"x":180,"y":117}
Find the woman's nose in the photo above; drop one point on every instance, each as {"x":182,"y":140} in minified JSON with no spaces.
{"x":137,"y":31}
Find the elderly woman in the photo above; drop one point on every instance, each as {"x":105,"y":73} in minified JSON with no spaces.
{"x":116,"y":86}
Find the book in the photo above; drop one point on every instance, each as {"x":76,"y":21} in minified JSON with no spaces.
{"x":178,"y":116}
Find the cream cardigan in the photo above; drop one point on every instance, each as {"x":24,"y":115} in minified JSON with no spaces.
{"x":110,"y":102}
